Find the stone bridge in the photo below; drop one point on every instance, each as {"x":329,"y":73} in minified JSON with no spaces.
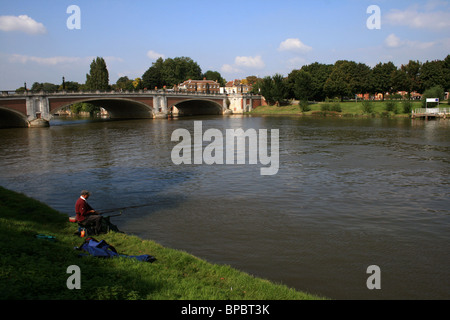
{"x":37,"y":109}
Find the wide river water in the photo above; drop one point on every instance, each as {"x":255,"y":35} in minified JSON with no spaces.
{"x":349,"y":194}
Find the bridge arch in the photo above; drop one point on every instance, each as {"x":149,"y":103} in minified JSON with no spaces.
{"x":118,"y":108}
{"x":12,"y":119}
{"x":196,"y":107}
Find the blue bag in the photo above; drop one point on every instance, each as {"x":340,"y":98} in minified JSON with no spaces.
{"x":98,"y":248}
{"x":104,"y":250}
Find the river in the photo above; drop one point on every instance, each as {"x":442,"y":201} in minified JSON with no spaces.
{"x":349,"y":194}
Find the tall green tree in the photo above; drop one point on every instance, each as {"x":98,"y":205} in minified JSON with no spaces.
{"x":273,"y":88}
{"x":446,"y":66}
{"x":399,"y":81}
{"x":302,"y":85}
{"x":279,"y":88}
{"x":341,"y":81}
{"x":361,"y":78}
{"x":153,"y":77}
{"x":409,"y":77}
{"x":214,"y":76}
{"x":98,"y":77}
{"x":382,"y":78}
{"x":171,"y":72}
{"x":347,"y":79}
{"x":264,"y":87}
{"x":318,"y":75}
{"x":432,"y":75}
{"x":124,"y":83}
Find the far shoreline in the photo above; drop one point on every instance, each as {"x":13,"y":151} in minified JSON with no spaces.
{"x":346,"y":109}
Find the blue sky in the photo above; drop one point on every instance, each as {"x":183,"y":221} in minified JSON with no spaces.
{"x":236,"y":38}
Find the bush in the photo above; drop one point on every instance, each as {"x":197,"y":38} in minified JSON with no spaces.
{"x":367,"y":106}
{"x":391,"y":106}
{"x":325,"y":107}
{"x":336,"y":107}
{"x":304,"y":105}
{"x":407,"y":106}
{"x":331,"y":105}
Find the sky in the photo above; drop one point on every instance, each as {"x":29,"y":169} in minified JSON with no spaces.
{"x":43,"y":41}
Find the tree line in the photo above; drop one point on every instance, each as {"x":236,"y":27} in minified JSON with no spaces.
{"x":164,"y":73}
{"x":314,"y":82}
{"x":345,"y":79}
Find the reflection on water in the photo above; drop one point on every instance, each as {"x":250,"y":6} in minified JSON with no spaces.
{"x":350,"y":193}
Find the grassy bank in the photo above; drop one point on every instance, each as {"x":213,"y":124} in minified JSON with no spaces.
{"x":33,"y":268}
{"x":346,"y":109}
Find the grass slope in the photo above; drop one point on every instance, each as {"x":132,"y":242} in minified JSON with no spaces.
{"x":348,"y":109}
{"x":36,"y":269}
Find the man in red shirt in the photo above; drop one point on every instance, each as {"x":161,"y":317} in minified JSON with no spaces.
{"x":85,"y":215}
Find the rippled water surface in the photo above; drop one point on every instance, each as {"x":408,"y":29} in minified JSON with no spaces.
{"x":349,"y":193}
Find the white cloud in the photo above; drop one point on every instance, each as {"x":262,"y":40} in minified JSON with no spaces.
{"x":295,"y":45}
{"x":392,"y":41}
{"x":228,"y":68}
{"x":426,"y":18}
{"x":241,"y":63}
{"x":154,"y":55}
{"x":57,"y":60}
{"x":43,"y":61}
{"x":250,"y":62}
{"x":21,"y":23}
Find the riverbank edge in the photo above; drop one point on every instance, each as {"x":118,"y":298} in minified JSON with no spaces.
{"x":36,"y":268}
{"x":349,"y":110}
{"x":324,"y":114}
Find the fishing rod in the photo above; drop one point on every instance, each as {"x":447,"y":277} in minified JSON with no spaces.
{"x":114,"y":215}
{"x":123,"y":208}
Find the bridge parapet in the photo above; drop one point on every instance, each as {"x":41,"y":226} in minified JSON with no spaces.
{"x":112,"y":92}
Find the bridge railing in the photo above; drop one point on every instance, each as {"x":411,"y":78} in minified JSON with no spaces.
{"x":67,"y":92}
{"x":116,"y":92}
{"x":8,"y":92}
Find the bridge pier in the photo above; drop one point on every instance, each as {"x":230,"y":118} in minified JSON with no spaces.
{"x":160,"y":115}
{"x":225,"y":109}
{"x":38,"y":123}
{"x":38,"y":111}
{"x":241,"y":103}
{"x":160,"y":106}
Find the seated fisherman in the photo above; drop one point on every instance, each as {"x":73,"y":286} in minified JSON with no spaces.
{"x":85,"y":215}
